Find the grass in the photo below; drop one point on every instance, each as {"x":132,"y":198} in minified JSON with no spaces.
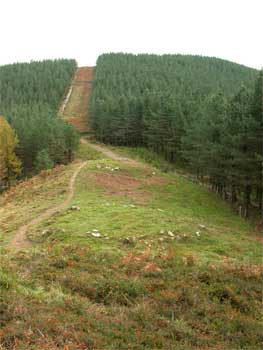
{"x":148,"y":282}
{"x":147,"y":156}
{"x":31,"y":197}
{"x":72,"y":108}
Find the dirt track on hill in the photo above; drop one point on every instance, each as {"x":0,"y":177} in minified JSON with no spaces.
{"x":107,"y":152}
{"x":78,"y":107}
{"x":20,"y":240}
{"x":75,"y":106}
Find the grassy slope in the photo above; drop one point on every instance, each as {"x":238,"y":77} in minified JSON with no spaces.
{"x":134,"y":287}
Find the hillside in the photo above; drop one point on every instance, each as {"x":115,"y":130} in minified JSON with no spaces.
{"x":30,"y":96}
{"x":200,"y":111}
{"x":125,"y":256}
{"x":148,"y":261}
{"x":131,"y":92}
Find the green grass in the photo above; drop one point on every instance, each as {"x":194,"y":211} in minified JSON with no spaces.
{"x":147,"y":156}
{"x":32,"y":197}
{"x":178,"y":205}
{"x":72,"y":108}
{"x":135,"y":287}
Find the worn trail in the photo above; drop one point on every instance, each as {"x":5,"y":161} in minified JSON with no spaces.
{"x":76,"y":106}
{"x":115,"y":156}
{"x":20,"y":240}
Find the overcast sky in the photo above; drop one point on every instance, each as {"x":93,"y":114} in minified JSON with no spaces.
{"x":83,"y":29}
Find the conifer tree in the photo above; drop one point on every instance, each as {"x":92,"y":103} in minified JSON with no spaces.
{"x":43,"y":161}
{"x":257,"y":138}
{"x":203,"y":110}
{"x":30,"y":97}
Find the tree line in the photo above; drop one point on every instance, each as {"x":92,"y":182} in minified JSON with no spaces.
{"x":206,"y":111}
{"x":30,"y":94}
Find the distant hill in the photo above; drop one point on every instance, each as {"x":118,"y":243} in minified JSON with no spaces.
{"x":128,"y":88}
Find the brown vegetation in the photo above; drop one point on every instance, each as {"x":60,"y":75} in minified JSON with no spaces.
{"x":76,"y":111}
{"x":125,"y":185}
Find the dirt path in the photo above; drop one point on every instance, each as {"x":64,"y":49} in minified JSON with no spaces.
{"x":74,"y":108}
{"x":20,"y":240}
{"x":113,"y":155}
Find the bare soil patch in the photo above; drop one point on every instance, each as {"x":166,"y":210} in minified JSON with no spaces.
{"x":76,"y":110}
{"x":84,"y":73}
{"x":126,"y":186}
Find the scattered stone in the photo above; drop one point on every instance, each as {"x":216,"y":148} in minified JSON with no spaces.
{"x":202,"y":226}
{"x":161,"y":239}
{"x":107,"y":238}
{"x":160,"y":210}
{"x":75,"y":207}
{"x":170,"y":233}
{"x":178,"y":237}
{"x":197,"y":233}
{"x":132,"y":205}
{"x":96,"y":234}
{"x":162,"y":232}
{"x":153,"y":173}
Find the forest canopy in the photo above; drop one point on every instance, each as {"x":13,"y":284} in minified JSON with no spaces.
{"x":206,"y":111}
{"x":30,"y":95}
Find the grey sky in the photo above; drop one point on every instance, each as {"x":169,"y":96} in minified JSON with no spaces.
{"x":83,"y":29}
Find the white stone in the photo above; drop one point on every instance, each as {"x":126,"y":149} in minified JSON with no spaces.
{"x":75,"y":207}
{"x":96,"y":234}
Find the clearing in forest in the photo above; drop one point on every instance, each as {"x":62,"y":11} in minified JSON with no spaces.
{"x":75,"y":106}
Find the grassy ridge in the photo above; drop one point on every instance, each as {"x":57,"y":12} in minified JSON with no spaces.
{"x":136,"y":286}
